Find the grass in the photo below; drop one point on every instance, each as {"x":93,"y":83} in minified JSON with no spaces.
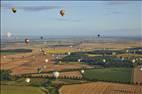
{"x":110,"y":74}
{"x":7,"y":89}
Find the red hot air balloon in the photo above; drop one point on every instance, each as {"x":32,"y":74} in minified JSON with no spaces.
{"x":62,"y":12}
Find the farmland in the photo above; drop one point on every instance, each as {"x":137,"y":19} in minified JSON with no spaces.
{"x":100,"y":88}
{"x":84,"y":56}
{"x":7,"y":89}
{"x":110,"y":74}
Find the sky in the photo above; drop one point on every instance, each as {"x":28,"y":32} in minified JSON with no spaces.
{"x":108,"y":18}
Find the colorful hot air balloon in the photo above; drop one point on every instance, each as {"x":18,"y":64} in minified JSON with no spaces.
{"x":14,"y":10}
{"x":27,"y":41}
{"x":62,"y":12}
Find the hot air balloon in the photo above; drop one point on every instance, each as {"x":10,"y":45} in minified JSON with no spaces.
{"x":79,"y":60}
{"x":82,"y":71}
{"x":69,"y":53}
{"x":56,"y":74}
{"x":41,"y":37}
{"x":133,"y":61}
{"x":39,"y":70}
{"x":28,"y":80}
{"x":98,"y":35}
{"x":71,"y":46}
{"x":141,"y":68}
{"x":13,"y":10}
{"x":27,"y":41}
{"x":104,"y":60}
{"x":46,"y":60}
{"x":9,"y":34}
{"x":122,"y":58}
{"x":127,"y":51}
{"x":62,"y":12}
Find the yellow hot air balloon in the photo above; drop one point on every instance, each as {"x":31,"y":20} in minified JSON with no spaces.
{"x":14,"y":10}
{"x":62,"y":12}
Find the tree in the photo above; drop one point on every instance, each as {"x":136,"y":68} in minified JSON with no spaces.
{"x":5,"y":75}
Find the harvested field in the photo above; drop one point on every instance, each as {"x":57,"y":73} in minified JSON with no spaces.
{"x":100,"y":88}
{"x":137,"y":75}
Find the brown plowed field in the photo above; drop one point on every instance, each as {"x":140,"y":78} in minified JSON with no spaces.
{"x":137,"y":75}
{"x":100,"y":88}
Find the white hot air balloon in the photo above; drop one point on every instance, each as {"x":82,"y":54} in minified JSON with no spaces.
{"x":122,"y":58}
{"x":79,"y":60}
{"x":9,"y":34}
{"x":46,"y":60}
{"x":56,"y":74}
{"x":71,"y":46}
{"x":127,"y":51}
{"x":69,"y":53}
{"x":82,"y":71}
{"x":57,"y":57}
{"x":133,"y":61}
{"x":104,"y":60}
{"x":28,"y":80}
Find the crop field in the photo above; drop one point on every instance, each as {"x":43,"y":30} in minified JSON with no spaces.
{"x":100,"y":88}
{"x":7,"y":89}
{"x":109,"y":74}
{"x":70,"y":74}
{"x":137,"y":75}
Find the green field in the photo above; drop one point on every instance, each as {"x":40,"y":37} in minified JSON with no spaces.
{"x":15,"y":51}
{"x":6,"y":89}
{"x":110,"y":74}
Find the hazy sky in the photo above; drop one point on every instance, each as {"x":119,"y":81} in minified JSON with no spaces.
{"x":110,"y":18}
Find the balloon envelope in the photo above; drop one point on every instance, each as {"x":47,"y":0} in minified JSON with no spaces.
{"x":104,"y":60}
{"x":27,"y":41}
{"x":46,"y":60}
{"x":62,"y":12}
{"x":9,"y":34}
{"x":82,"y":71}
{"x":28,"y":80}
{"x":56,"y":74}
{"x":98,"y":35}
{"x":14,"y":10}
{"x":41,"y":37}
